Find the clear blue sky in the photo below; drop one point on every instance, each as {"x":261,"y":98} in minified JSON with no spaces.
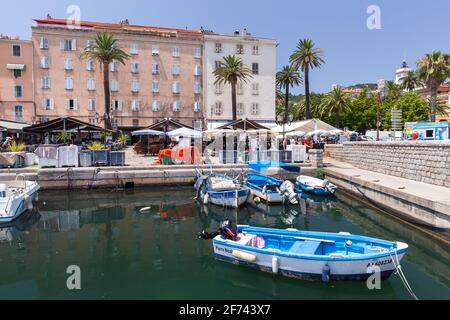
{"x":353,"y":53}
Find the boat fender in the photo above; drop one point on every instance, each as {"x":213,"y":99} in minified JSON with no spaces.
{"x":326,"y":273}
{"x":206,"y":198}
{"x":244,"y":256}
{"x":275,"y":264}
{"x":257,"y":200}
{"x":146,"y":209}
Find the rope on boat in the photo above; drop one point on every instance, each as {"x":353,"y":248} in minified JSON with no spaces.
{"x":401,"y":275}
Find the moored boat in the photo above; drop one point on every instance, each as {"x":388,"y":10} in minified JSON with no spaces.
{"x":271,"y":190}
{"x":16,"y":198}
{"x":309,"y":255}
{"x":221,"y":190}
{"x":316,"y":186}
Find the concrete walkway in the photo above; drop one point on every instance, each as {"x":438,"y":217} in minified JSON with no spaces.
{"x":428,"y":203}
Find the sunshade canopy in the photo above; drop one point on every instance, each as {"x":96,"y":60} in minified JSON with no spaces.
{"x":64,"y":123}
{"x":305,"y":126}
{"x":167,"y":125}
{"x":12,"y":66}
{"x":6,"y":125}
{"x":185,"y":132}
{"x":147,"y":132}
{"x":243,"y":124}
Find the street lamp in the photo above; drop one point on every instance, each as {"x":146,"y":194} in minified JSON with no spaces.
{"x":381,"y":96}
{"x":283,"y":119}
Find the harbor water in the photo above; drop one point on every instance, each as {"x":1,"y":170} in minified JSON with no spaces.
{"x":125,"y":254}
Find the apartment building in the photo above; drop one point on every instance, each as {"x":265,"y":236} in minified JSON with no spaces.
{"x":256,"y":98}
{"x":163,"y":78}
{"x":16,"y":80}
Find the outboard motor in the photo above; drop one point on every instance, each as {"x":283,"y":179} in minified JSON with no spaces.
{"x":2,"y":191}
{"x":287,"y":190}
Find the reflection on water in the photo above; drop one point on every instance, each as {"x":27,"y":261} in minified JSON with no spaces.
{"x":125,"y":254}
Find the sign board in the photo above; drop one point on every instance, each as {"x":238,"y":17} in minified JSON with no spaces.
{"x":396,"y":119}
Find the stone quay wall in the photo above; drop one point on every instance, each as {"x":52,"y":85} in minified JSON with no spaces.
{"x":423,"y":161}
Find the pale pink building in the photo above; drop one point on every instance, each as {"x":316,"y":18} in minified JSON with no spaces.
{"x":163,"y":77}
{"x":16,"y":80}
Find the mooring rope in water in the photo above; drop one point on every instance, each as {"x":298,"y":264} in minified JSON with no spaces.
{"x":401,"y":275}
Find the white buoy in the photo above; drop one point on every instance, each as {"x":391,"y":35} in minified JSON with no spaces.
{"x":275,"y":265}
{"x":206,"y":198}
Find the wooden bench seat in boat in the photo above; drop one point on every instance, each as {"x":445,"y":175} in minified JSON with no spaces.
{"x":305,"y":247}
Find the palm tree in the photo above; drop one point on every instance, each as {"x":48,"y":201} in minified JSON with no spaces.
{"x":287,"y":77}
{"x":336,"y":102}
{"x":105,"y":51}
{"x":433,"y":70}
{"x":307,"y":57}
{"x":393,"y":90}
{"x":231,"y":71}
{"x":410,"y":81}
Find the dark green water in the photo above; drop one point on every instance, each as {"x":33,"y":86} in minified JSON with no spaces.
{"x":124,"y":254}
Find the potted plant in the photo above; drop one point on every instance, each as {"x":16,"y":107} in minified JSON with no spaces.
{"x":15,"y":155}
{"x":117,"y":157}
{"x":100,"y":155}
{"x":64,"y":137}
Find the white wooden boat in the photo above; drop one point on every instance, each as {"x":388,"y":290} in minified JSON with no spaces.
{"x":221,"y":190}
{"x":310,"y":255}
{"x":316,"y":186}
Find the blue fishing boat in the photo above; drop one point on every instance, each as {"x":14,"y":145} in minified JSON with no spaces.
{"x":271,"y":190}
{"x":307,"y":255}
{"x":221,"y":190}
{"x":316,"y":186}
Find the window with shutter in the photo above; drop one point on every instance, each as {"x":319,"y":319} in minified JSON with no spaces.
{"x":68,"y":64}
{"x":197,"y":106}
{"x":156,"y":105}
{"x":176,"y":69}
{"x":69,"y":83}
{"x":218,"y":108}
{"x":218,"y":48}
{"x":176,"y":87}
{"x":197,"y":53}
{"x":114,"y":86}
{"x":135,"y":67}
{"x":155,"y":68}
{"x":240,"y":88}
{"x":176,"y":52}
{"x":44,"y":63}
{"x":255,"y":89}
{"x":176,"y":106}
{"x":155,"y":50}
{"x":43,"y":43}
{"x":255,"y":68}
{"x":198,"y":70}
{"x":135,"y":86}
{"x":91,"y":84}
{"x":134,"y":48}
{"x":18,"y":91}
{"x":45,"y":82}
{"x":240,"y":110}
{"x":91,"y":105}
{"x":114,"y":66}
{"x":135,"y":105}
{"x":155,"y":86}
{"x":197,"y":88}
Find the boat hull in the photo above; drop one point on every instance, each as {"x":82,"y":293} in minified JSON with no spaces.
{"x":21,"y":204}
{"x":315,"y":191}
{"x":296,"y":261}
{"x":230,"y":199}
{"x":302,"y":273}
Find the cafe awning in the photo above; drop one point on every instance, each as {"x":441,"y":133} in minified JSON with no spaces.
{"x":64,"y":124}
{"x":12,"y":126}
{"x":11,"y":66}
